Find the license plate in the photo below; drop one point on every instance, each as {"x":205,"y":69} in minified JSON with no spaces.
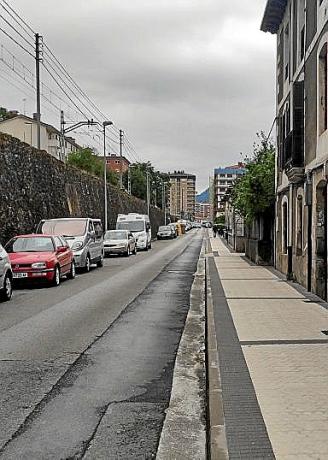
{"x":20,"y":275}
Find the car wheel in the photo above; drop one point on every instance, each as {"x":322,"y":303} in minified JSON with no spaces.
{"x":72,"y":272}
{"x":150,"y":245}
{"x":7,"y":290}
{"x":127,"y":253}
{"x":87,"y":264}
{"x":100,"y":262}
{"x":56,"y":278}
{"x":135,"y":250}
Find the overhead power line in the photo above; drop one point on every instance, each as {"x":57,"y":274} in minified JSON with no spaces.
{"x":17,"y":43}
{"x":81,"y":102}
{"x":16,"y":31}
{"x":18,"y":16}
{"x":31,"y":35}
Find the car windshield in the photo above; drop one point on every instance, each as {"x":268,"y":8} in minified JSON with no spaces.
{"x":113,"y":235}
{"x":64,"y":227}
{"x":164,"y":228}
{"x":132,"y":226}
{"x":35,"y":244}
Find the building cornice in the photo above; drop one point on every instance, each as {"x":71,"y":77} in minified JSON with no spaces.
{"x":273,"y":15}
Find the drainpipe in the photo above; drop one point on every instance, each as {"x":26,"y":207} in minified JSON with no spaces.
{"x":308,"y":203}
{"x":290,"y":235}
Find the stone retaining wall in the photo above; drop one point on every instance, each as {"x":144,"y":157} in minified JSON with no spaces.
{"x":35,"y":186}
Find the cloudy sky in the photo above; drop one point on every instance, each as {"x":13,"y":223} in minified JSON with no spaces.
{"x":190,"y":81}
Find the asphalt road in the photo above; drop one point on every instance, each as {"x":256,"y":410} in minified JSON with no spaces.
{"x":86,"y":368}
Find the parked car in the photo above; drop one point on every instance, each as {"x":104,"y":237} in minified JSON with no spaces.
{"x":84,"y":236}
{"x":165,"y":232}
{"x":40,"y":257}
{"x":139,"y":225}
{"x":6,"y":276}
{"x":120,"y":242}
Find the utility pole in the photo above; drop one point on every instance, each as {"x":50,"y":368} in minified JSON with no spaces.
{"x":129,"y":180}
{"x":121,"y":158}
{"x":38,"y":59}
{"x":62,"y":135}
{"x":164,"y":201}
{"x":105,"y":123}
{"x":148,"y":192}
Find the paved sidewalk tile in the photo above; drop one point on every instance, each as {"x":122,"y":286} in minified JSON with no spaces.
{"x":278,"y":319}
{"x":291,"y":387}
{"x":251,"y":273}
{"x":280,"y":332}
{"x":259,"y":288}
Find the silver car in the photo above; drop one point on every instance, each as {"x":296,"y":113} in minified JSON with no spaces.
{"x":164,"y":232}
{"x":84,"y":236}
{"x":119,"y":242}
{"x":6,"y":276}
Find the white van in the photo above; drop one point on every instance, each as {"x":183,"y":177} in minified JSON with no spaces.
{"x":139,"y":225}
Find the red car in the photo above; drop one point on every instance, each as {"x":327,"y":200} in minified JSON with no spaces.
{"x":40,"y":257}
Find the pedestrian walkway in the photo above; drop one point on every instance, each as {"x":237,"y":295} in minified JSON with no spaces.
{"x":273,"y":358}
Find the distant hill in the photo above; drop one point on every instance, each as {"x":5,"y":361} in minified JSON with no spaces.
{"x":203,"y":197}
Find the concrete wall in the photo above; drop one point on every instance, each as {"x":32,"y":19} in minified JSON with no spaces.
{"x":34,"y":186}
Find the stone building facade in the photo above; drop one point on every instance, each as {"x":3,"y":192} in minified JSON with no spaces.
{"x":302,"y":138}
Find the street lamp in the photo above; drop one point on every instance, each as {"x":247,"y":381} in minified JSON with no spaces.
{"x":164,"y":199}
{"x":105,"y":123}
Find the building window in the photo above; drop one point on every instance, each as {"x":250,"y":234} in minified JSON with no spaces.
{"x":299,"y":233}
{"x":284,"y":227}
{"x":286,"y":52}
{"x":323,"y":89}
{"x":301,"y":30}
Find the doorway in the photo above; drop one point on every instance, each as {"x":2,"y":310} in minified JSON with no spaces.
{"x":321,"y":240}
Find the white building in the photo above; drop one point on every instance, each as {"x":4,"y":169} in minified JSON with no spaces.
{"x":224,"y":178}
{"x":25,"y":129}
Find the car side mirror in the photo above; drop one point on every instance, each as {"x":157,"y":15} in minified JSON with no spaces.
{"x":61,"y":249}
{"x":92,"y":234}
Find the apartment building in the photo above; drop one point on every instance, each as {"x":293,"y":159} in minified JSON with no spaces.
{"x":223,"y":180}
{"x":113,"y":163}
{"x":203,"y":211}
{"x":302,"y":138}
{"x":25,"y":129}
{"x":182,"y":195}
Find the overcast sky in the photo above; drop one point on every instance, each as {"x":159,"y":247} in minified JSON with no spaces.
{"x":190,"y":81}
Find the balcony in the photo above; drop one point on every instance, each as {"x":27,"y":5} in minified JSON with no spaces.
{"x":292,"y":156}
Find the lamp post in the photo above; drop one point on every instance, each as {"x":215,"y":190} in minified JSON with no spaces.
{"x":105,"y":123}
{"x":164,"y":200}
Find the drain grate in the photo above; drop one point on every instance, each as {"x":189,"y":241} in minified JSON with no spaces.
{"x":325,"y":332}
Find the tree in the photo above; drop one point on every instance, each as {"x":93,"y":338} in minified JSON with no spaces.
{"x":86,"y":159}
{"x":138,"y":176}
{"x":254,"y":192}
{"x":220,"y":220}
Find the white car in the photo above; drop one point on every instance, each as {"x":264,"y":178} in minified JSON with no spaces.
{"x":6,"y":276}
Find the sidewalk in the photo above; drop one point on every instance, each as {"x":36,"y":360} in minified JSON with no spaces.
{"x":273,"y":359}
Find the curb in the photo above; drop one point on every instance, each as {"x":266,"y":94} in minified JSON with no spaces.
{"x":184,"y":430}
{"x":216,"y":442}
